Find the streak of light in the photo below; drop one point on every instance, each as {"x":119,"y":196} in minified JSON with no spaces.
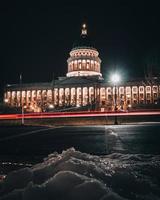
{"x":76,"y":114}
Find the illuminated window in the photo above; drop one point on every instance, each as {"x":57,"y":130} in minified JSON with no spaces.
{"x":155,"y":95}
{"x":83,"y":63}
{"x":141,"y":96}
{"x":109,"y":90}
{"x":141,"y":89}
{"x":155,"y":89}
{"x":148,"y":96}
{"x":88,"y":62}
{"x":128,"y":90}
{"x":135,"y":102}
{"x":134,"y":89}
{"x":109,"y":97}
{"x":92,"y":64}
{"x":79,"y":64}
{"x":148,"y":88}
{"x":134,"y":96}
{"x":121,"y":90}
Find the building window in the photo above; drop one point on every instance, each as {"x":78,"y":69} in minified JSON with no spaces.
{"x":134,"y":96}
{"x":134,"y":89}
{"x":155,"y":95}
{"x":121,"y":90}
{"x":141,"y":96}
{"x":148,"y":96}
{"x":155,"y":89}
{"x":121,"y":96}
{"x":75,"y":64}
{"x":141,"y":89}
{"x":148,"y":101}
{"x":108,"y":90}
{"x":83,"y":64}
{"x":135,"y":101}
{"x":88,"y":61}
{"x":79,"y":64}
{"x":141,"y":101}
{"x":109,"y":97}
{"x":128,"y":90}
{"x":92,"y":64}
{"x":148,"y":88}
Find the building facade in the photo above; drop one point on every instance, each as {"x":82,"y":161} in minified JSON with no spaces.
{"x":83,"y":86}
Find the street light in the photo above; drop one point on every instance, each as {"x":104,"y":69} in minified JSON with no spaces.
{"x":115,"y":79}
{"x":21,"y":101}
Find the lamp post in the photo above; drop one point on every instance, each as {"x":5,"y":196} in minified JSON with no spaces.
{"x":115,"y":78}
{"x":21,"y":103}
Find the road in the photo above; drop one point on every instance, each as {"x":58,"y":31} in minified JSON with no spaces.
{"x":24,"y":146}
{"x":40,"y":141}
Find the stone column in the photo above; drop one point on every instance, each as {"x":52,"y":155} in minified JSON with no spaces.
{"x":26,"y":98}
{"x":69,"y":96}
{"x":100,"y":99}
{"x":58,"y":95}
{"x":105,"y":95}
{"x":52,"y":89}
{"x":138,"y":94}
{"x":131,"y":95}
{"x":63,"y":96}
{"x":88,"y":95}
{"x":151,"y":93}
{"x":158,"y":95}
{"x":76,"y":96}
{"x":145,"y":94}
{"x":81,"y":96}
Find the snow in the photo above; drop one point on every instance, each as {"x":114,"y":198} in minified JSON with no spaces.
{"x":75,"y":175}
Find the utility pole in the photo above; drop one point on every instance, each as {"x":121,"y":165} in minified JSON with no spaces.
{"x":115,"y":106}
{"x":53,"y":83}
{"x":21,"y":103}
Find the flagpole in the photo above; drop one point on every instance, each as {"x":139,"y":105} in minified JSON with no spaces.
{"x":22,"y":110}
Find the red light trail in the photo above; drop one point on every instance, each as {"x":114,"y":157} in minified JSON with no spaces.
{"x":76,"y":114}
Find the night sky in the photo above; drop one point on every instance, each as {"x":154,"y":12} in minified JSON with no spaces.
{"x":36,"y":37}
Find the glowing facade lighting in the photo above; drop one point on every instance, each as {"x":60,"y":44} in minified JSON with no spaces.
{"x":6,"y":100}
{"x":51,"y":106}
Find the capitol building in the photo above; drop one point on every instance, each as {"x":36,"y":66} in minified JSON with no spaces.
{"x":83,"y":86}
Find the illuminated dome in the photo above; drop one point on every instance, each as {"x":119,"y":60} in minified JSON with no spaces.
{"x":84,"y":60}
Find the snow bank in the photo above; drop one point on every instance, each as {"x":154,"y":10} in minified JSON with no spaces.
{"x":75,"y":175}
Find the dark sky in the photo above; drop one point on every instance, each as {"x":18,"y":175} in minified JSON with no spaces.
{"x":36,"y":36}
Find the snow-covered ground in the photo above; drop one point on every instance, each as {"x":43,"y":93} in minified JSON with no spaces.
{"x":73,"y":175}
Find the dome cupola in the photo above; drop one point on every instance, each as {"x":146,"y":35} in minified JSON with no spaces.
{"x":84,"y":60}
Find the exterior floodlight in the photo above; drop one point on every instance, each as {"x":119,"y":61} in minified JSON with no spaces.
{"x":6,"y":100}
{"x":115,"y":78}
{"x":51,"y":106}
